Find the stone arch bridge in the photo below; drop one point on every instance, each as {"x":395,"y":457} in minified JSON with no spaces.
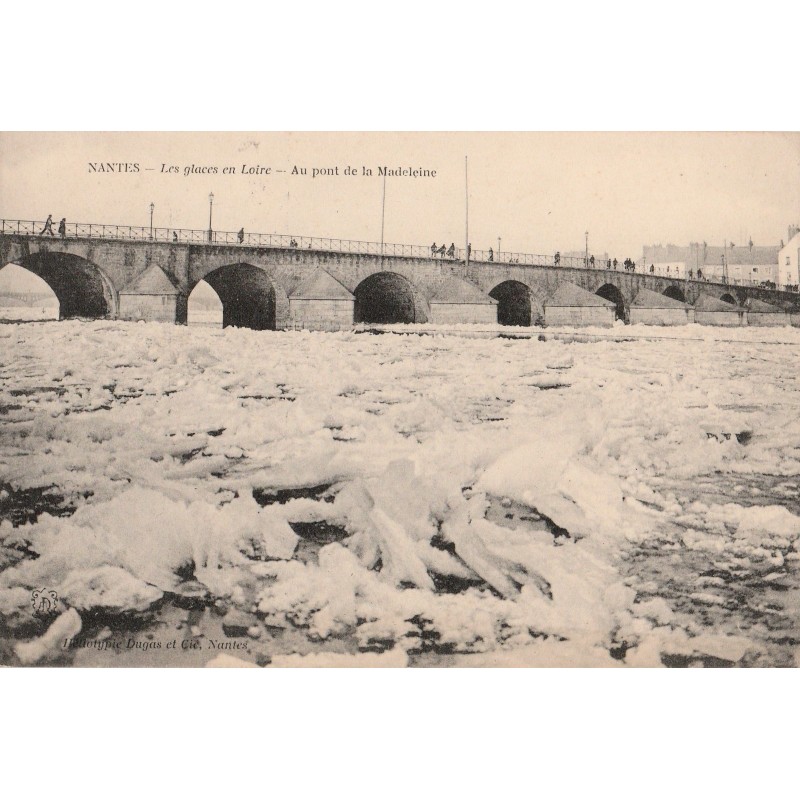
{"x":317,"y":283}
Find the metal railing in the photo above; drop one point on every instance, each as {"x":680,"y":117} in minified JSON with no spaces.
{"x":144,"y":233}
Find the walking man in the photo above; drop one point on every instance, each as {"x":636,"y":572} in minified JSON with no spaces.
{"x":62,"y":228}
{"x":240,"y":235}
{"x":48,"y":226}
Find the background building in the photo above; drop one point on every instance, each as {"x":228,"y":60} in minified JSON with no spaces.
{"x":747,"y":263}
{"x":789,"y":259}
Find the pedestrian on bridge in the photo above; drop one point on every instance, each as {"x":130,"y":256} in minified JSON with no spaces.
{"x":491,"y":254}
{"x":240,"y":235}
{"x":451,"y":251}
{"x":48,"y":226}
{"x":62,"y":228}
{"x":174,"y":236}
{"x":557,"y":258}
{"x":469,"y":250}
{"x":434,"y":250}
{"x":441,"y":251}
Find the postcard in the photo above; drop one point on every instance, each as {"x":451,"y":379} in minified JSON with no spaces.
{"x":399,"y":399}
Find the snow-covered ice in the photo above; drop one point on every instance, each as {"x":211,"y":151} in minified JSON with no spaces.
{"x":626,"y":496}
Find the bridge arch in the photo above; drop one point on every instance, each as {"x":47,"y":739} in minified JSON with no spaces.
{"x":513,"y":303}
{"x":674,"y":293}
{"x":388,"y":298}
{"x":248,"y":296}
{"x":82,"y":288}
{"x":728,"y":298}
{"x":609,"y":291}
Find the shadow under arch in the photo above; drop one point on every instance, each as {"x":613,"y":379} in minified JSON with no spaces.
{"x":610,"y":292}
{"x":728,"y":298}
{"x":674,"y":293}
{"x":82,"y":288}
{"x":387,"y":298}
{"x":247,"y":295}
{"x":513,"y":303}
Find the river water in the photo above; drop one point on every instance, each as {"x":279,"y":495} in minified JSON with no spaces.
{"x":700,"y":429}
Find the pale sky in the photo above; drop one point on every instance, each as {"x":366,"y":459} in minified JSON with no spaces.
{"x":539,"y":192}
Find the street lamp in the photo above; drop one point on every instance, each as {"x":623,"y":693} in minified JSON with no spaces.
{"x":210,"y":209}
{"x":152,"y":209}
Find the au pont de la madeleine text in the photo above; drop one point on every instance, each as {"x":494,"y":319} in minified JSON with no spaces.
{"x":300,"y":170}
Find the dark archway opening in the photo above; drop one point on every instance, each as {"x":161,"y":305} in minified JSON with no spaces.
{"x":80,"y":287}
{"x":247,"y":296}
{"x":513,"y":303}
{"x":728,"y":298}
{"x":385,"y":298}
{"x":675,"y":293}
{"x":610,"y":292}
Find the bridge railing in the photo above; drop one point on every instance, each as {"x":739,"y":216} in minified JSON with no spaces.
{"x":144,"y":233}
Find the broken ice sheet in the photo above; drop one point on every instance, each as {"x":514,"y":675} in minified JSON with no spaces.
{"x":332,"y":528}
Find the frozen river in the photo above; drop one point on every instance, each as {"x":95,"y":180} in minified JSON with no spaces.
{"x":630,"y":498}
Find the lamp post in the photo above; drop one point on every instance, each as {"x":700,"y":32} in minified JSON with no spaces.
{"x":466,"y":212}
{"x":499,"y":242}
{"x":210,"y":209}
{"x":152,"y":209}
{"x":383,"y":214}
{"x":586,"y":257}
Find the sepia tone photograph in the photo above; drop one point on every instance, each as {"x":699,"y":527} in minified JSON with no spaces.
{"x":399,"y":399}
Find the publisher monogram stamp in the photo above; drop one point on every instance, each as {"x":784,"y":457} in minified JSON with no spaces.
{"x":44,"y":601}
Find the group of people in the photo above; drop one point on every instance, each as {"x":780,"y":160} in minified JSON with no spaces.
{"x":628,"y":264}
{"x":48,"y":227}
{"x":443,"y":251}
{"x":591,"y":262}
